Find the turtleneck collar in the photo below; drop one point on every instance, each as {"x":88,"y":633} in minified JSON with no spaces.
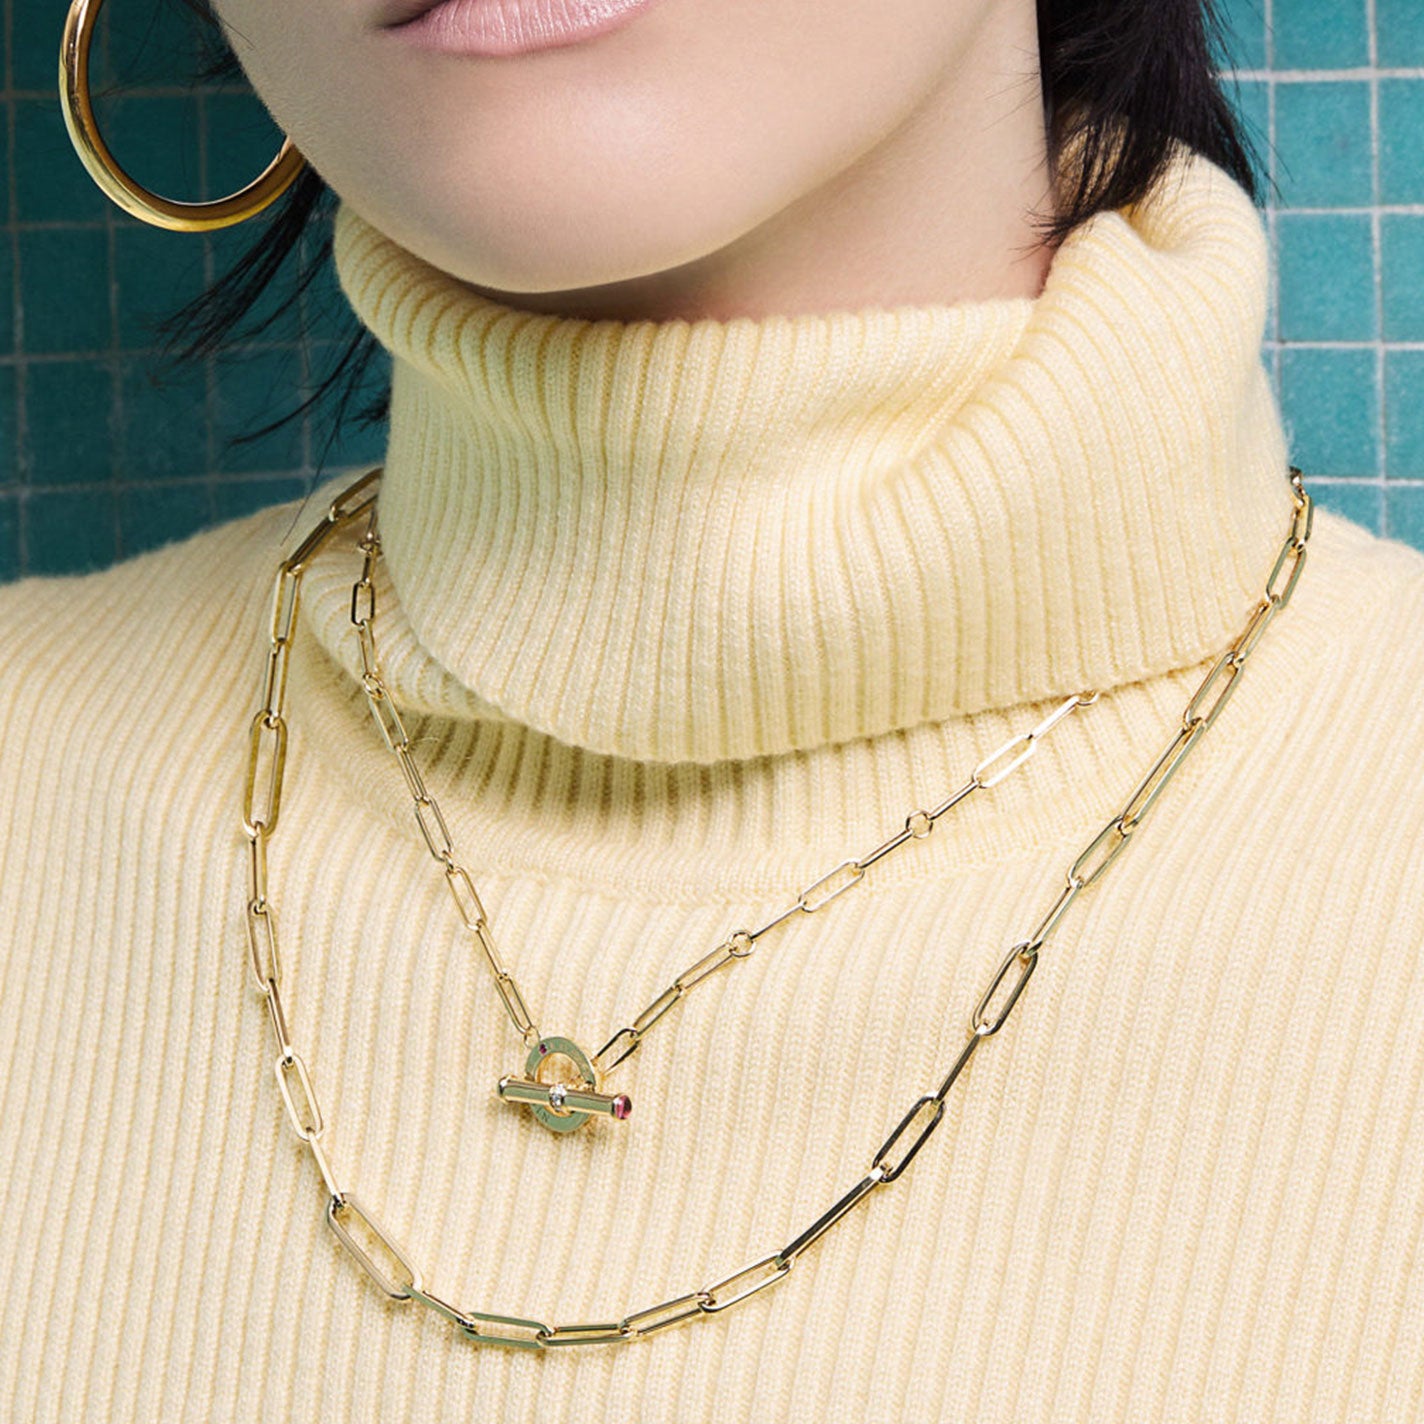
{"x":690,"y":541}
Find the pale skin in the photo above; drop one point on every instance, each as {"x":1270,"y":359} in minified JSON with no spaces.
{"x":737,"y":158}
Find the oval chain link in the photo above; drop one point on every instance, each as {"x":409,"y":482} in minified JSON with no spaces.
{"x":393,"y":1271}
{"x":428,"y":817}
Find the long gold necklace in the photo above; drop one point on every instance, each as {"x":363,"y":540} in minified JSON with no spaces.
{"x":561,"y":1084}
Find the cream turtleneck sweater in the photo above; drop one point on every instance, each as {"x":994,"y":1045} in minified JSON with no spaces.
{"x":682,"y":616}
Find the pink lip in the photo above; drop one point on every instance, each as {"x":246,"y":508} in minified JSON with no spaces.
{"x":505,"y":27}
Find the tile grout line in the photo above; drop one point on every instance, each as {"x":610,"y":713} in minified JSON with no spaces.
{"x":209,"y":364}
{"x":277,"y":473}
{"x":1331,"y":76}
{"x":1268,"y":46}
{"x":17,"y":314}
{"x":1381,"y":420}
{"x":116,"y":410}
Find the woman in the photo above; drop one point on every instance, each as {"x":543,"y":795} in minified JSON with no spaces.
{"x":921,"y":510}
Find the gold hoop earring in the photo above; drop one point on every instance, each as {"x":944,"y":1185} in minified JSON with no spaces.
{"x":132,"y":197}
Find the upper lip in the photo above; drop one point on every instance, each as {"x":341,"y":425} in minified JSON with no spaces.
{"x":401,"y":12}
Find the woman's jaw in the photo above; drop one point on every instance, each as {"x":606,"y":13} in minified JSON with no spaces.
{"x":748,"y":158}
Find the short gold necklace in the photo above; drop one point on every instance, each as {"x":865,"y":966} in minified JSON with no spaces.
{"x":561,"y":1085}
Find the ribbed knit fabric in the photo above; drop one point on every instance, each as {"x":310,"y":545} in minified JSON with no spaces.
{"x":682,"y":616}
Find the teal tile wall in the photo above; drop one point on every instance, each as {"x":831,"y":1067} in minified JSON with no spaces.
{"x":1333,"y":90}
{"x":105,"y":452}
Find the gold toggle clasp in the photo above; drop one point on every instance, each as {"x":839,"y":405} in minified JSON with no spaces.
{"x":562,"y":1106}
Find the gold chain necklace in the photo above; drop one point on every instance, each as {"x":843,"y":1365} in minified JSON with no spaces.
{"x":561,"y":1106}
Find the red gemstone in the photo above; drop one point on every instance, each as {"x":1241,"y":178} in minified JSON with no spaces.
{"x":622,"y":1105}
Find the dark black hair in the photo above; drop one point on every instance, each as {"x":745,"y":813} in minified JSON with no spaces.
{"x":1124,"y":81}
{"x":1127,"y":80}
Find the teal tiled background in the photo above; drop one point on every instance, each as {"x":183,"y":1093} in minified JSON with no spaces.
{"x":1334,"y":93}
{"x":103,"y":452}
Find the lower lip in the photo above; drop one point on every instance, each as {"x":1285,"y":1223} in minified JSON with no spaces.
{"x":504,"y":27}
